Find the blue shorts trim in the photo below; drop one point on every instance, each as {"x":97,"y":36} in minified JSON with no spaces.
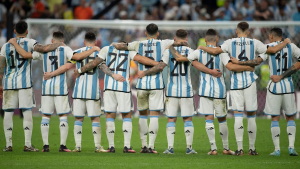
{"x":26,"y":108}
{"x":158,"y":110}
{"x":251,"y":110}
{"x":80,"y":116}
{"x":205,"y":114}
{"x":47,"y":113}
{"x":9,"y":110}
{"x":63,"y":113}
{"x":110,"y":111}
{"x":143,"y":110}
{"x":270,"y":114}
{"x":221,"y":116}
{"x":126,"y":112}
{"x":94,"y":116}
{"x":290,"y":114}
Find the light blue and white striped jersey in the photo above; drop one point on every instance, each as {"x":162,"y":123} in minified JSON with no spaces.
{"x":243,"y":49}
{"x":209,"y":86}
{"x":153,"y":49}
{"x":278,"y":64}
{"x":57,"y":85}
{"x":179,"y":76}
{"x":87,"y":84}
{"x":17,"y":73}
{"x":119,"y":62}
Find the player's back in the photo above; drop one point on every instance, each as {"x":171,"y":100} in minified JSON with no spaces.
{"x":17,"y":73}
{"x":87,"y":84}
{"x":153,"y":49}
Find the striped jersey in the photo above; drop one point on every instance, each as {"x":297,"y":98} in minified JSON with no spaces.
{"x":118,"y":61}
{"x":153,"y":49}
{"x":17,"y":73}
{"x":209,"y":86}
{"x":179,"y":76}
{"x":278,"y":64}
{"x":243,"y":49}
{"x":87,"y":84}
{"x":57,"y":85}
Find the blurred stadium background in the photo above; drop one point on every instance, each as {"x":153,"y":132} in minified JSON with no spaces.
{"x":114,"y":20}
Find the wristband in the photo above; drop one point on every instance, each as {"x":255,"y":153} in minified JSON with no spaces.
{"x":79,"y":71}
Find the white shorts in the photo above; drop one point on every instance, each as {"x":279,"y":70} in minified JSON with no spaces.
{"x":18,"y":99}
{"x":244,"y":97}
{"x":186,"y":106}
{"x":114,"y":100}
{"x":92,"y":107}
{"x":150,"y":99}
{"x":60,"y":103}
{"x":275,"y":102}
{"x":207,"y":106}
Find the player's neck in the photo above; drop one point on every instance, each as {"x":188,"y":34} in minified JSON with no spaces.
{"x":242,"y":36}
{"x":151,"y":37}
{"x":276,"y":40}
{"x":20,"y":36}
{"x":211,"y":44}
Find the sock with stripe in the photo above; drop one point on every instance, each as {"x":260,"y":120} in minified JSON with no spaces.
{"x":189,"y":133}
{"x":291,"y":131}
{"x":223,"y":128}
{"x":45,"y":130}
{"x":210,"y":130}
{"x":8,"y":127}
{"x":97,"y":133}
{"x":27,"y":126}
{"x":251,"y":131}
{"x":170,"y":134}
{"x":64,"y":129}
{"x":153,"y":129}
{"x":127,"y":131}
{"x":78,"y":133}
{"x":275,"y":131}
{"x":143,"y":129}
{"x":239,"y":129}
{"x":110,"y":131}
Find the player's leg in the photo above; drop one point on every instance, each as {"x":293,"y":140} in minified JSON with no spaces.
{"x":143,"y":106}
{"x":189,"y":134}
{"x":79,"y":109}
{"x":250,"y":98}
{"x":47,"y":109}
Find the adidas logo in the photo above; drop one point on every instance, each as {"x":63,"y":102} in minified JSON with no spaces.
{"x":9,"y":129}
{"x":241,"y":127}
{"x":79,"y":132}
{"x":173,"y":132}
{"x":211,"y":143}
{"x":221,"y":134}
{"x":151,"y":132}
{"x":277,"y":135}
{"x":211,"y":128}
{"x":250,"y":132}
{"x":44,"y":124}
{"x":26,"y":128}
{"x":63,"y":125}
{"x":112,"y":131}
{"x":289,"y":134}
{"x":188,"y":131}
{"x":94,"y":132}
{"x":125,"y":131}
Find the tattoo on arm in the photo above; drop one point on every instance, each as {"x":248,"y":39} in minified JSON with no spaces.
{"x":47,"y":48}
{"x":253,"y":62}
{"x":106,"y":70}
{"x":155,"y":69}
{"x":289,"y":72}
{"x":91,"y":65}
{"x":120,"y":46}
{"x":181,"y":44}
{"x":174,"y":52}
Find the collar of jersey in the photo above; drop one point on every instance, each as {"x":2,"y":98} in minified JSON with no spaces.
{"x":210,"y":46}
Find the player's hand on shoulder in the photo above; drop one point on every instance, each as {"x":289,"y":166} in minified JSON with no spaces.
{"x":47,"y":75}
{"x":76,"y":74}
{"x":275,"y":78}
{"x":141,"y":74}
{"x":119,"y":78}
{"x":287,"y":40}
{"x":96,"y":48}
{"x":12,"y":41}
{"x":234,"y":60}
{"x":63,"y":44}
{"x":216,"y":73}
{"x":199,"y":47}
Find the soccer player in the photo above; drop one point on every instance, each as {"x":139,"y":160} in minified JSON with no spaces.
{"x":117,"y":94}
{"x":150,"y":89}
{"x":212,"y":90}
{"x":15,"y":72}
{"x":280,"y":90}
{"x":243,"y":86}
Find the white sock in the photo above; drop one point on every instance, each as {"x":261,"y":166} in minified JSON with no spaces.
{"x":64,"y":128}
{"x":291,"y":130}
{"x":45,"y":129}
{"x":153,"y":129}
{"x":127,"y":130}
{"x":170,"y":134}
{"x":110,"y":131}
{"x":275,"y":130}
{"x":27,"y":126}
{"x":78,"y":133}
{"x":97,"y":133}
{"x":251,"y":131}
{"x":189,"y":133}
{"x":143,"y":129}
{"x":223,"y":128}
{"x":239,"y":129}
{"x":210,"y":130}
{"x":8,"y":127}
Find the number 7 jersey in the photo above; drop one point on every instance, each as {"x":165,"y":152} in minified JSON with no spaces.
{"x":57,"y":85}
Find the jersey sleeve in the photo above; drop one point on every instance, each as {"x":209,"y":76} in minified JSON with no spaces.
{"x":224,"y":58}
{"x":69,"y":53}
{"x":132,"y":54}
{"x":167,"y":42}
{"x":103,"y":53}
{"x":260,"y":47}
{"x":295,"y":51}
{"x":226,"y":46}
{"x":2,"y":53}
{"x":194,"y":55}
{"x":37,"y":56}
{"x":264,"y":56}
{"x":165,"y":57}
{"x":32,"y":44}
{"x":134,"y":46}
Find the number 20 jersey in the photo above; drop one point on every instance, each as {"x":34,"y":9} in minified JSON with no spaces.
{"x":179,"y":76}
{"x":57,"y":85}
{"x":243,"y":49}
{"x":278,"y":64}
{"x":17,"y":73}
{"x":118,"y":61}
{"x":87,"y":84}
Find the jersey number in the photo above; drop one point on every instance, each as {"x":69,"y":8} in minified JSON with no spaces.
{"x":241,"y":57}
{"x":89,"y":59}
{"x":284,"y":58}
{"x":54,"y":62}
{"x":22,"y":60}
{"x":211,"y":63}
{"x":120,"y":64}
{"x":148,"y":52}
{"x":182,"y":66}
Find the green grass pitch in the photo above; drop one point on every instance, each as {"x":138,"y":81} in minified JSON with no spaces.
{"x":88,"y":159}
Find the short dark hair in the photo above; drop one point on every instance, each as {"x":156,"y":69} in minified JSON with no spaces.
{"x":90,"y":37}
{"x":243,"y":26}
{"x":181,"y":33}
{"x":276,"y":32}
{"x":152,"y":29}
{"x":211,"y":35}
{"x":58,"y":35}
{"x":21,"y":27}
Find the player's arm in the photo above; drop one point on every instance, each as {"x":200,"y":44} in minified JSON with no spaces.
{"x":210,"y":50}
{"x":158,"y":68}
{"x":239,"y":68}
{"x":252,"y":63}
{"x":88,"y":67}
{"x":47,"y":48}
{"x":278,"y":47}
{"x":108,"y":72}
{"x":120,"y":46}
{"x":288,"y":73}
{"x":19,"y":49}
{"x":199,"y":66}
{"x":176,"y":55}
{"x":144,"y":60}
{"x":64,"y":68}
{"x":2,"y":68}
{"x":85,"y":54}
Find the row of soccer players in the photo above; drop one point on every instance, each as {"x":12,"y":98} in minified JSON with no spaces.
{"x":179,"y":57}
